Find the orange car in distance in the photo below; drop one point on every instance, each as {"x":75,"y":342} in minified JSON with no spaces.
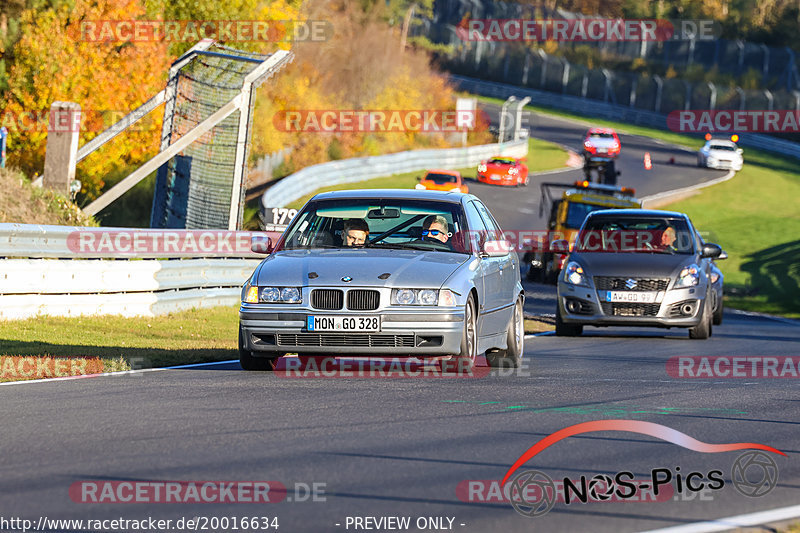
{"x":442,"y":180}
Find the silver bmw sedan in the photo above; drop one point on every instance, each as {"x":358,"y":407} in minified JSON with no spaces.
{"x":385,"y":272}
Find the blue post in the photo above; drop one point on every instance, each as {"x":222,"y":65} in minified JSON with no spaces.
{"x":3,"y":135}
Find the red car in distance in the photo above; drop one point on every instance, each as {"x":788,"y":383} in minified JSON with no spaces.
{"x":501,"y":170}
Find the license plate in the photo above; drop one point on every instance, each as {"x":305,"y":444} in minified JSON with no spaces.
{"x":343,"y":323}
{"x":631,"y":297}
{"x":602,"y":151}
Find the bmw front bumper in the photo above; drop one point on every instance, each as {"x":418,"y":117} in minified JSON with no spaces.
{"x":275,"y":330}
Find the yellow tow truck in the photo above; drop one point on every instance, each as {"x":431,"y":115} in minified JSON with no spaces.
{"x":565,"y":215}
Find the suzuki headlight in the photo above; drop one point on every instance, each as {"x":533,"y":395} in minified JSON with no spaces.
{"x":689,"y":277}
{"x":575,"y":275}
{"x":513,"y":170}
{"x":481,"y":168}
{"x":420,"y":186}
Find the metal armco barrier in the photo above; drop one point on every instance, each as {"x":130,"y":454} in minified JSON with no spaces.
{"x":73,"y":271}
{"x":35,"y":241}
{"x":311,"y":178}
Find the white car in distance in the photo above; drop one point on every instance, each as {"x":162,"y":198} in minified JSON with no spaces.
{"x":720,"y":154}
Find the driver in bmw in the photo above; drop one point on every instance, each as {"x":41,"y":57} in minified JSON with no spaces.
{"x":355,"y":232}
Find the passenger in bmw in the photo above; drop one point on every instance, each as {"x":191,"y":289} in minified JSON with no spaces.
{"x":355,"y":232}
{"x":435,"y":227}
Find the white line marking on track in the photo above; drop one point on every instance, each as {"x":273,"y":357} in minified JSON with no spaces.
{"x":122,"y":373}
{"x":764,"y":315}
{"x":556,"y":171}
{"x":683,"y":190}
{"x":733,"y":522}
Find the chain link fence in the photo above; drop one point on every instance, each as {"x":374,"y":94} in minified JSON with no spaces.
{"x":516,"y":63}
{"x":194,"y":189}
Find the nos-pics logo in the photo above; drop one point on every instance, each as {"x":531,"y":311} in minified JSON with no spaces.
{"x":533,"y":493}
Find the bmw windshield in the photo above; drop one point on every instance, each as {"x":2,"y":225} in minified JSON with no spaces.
{"x":367,"y":223}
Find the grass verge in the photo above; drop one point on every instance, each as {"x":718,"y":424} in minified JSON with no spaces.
{"x":194,"y":336}
{"x":754,"y":217}
{"x":59,"y":346}
{"x":23,"y":203}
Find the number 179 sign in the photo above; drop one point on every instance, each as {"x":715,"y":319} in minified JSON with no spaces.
{"x":281,"y":215}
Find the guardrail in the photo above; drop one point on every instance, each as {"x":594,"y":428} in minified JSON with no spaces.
{"x":72,"y":271}
{"x":595,"y":108}
{"x":311,"y":178}
{"x":37,"y":241}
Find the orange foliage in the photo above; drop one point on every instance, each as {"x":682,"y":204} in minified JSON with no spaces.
{"x":361,"y":67}
{"x":106,"y":79}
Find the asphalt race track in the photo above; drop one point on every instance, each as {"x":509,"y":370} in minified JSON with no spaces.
{"x":409,"y":447}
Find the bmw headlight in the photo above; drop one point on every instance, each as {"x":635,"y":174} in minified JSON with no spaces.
{"x":273,"y":295}
{"x":689,"y":276}
{"x":442,"y":298}
{"x":270,"y":295}
{"x":574,"y":274}
{"x":403,"y":296}
{"x":290,"y":295}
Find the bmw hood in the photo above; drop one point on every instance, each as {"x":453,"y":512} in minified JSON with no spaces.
{"x":637,"y":265}
{"x":367,"y":267}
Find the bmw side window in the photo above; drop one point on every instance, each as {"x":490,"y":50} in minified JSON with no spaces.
{"x":477,"y":229}
{"x":494,"y":232}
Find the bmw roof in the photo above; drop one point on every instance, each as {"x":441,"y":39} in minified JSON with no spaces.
{"x":393,"y":194}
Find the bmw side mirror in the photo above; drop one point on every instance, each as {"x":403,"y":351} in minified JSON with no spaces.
{"x":723,"y":255}
{"x":499,"y":248}
{"x":710,"y":251}
{"x":261,"y":244}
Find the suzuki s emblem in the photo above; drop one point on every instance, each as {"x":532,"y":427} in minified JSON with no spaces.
{"x":347,"y":279}
{"x":630,"y":283}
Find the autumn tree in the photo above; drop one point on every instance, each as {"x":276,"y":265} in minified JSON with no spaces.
{"x":54,"y":62}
